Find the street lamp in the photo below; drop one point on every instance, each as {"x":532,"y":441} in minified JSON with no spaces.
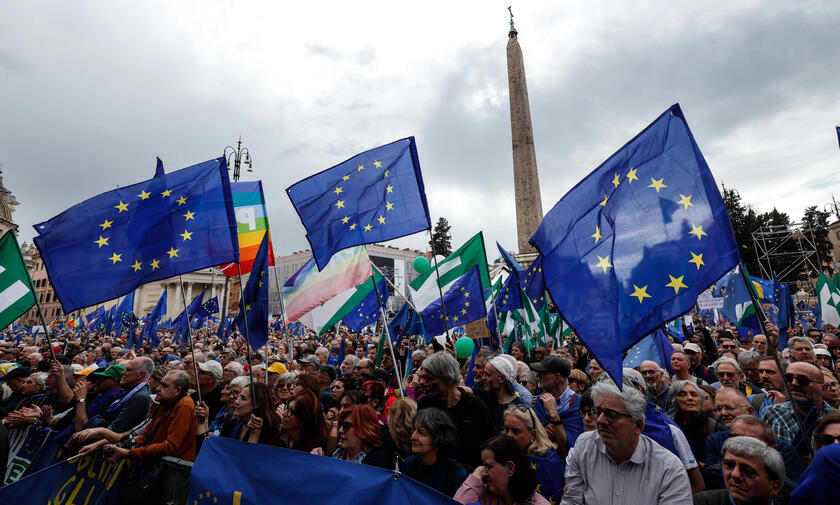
{"x":238,"y":155}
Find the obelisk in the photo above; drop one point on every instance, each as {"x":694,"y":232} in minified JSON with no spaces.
{"x":526,"y":180}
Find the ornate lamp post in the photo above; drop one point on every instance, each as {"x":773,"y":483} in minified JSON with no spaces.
{"x":236,"y":156}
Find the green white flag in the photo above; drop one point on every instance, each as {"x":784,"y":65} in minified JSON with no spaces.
{"x":16,"y":291}
{"x":425,"y":289}
{"x":325,"y":316}
{"x":829,"y":298}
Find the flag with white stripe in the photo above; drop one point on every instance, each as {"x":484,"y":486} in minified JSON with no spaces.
{"x":16,"y":292}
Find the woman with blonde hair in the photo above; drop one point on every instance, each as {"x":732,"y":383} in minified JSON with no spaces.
{"x":521,"y":424}
{"x":401,"y":426}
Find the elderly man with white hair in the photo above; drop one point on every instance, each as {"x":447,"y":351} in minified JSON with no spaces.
{"x":616,"y":463}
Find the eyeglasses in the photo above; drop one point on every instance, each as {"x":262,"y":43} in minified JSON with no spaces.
{"x":825,"y":439}
{"x":727,"y":374}
{"x":287,"y":385}
{"x":726,"y":408}
{"x":746,"y":470}
{"x":345,"y":426}
{"x":801,"y":379}
{"x":610,"y":414}
{"x":524,"y":382}
{"x":650,"y":372}
{"x":832,"y":386}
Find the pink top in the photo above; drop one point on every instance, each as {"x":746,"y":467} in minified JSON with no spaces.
{"x":473,"y":490}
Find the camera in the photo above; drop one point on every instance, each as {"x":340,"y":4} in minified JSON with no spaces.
{"x":127,"y":442}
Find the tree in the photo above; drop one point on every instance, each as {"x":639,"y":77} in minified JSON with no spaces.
{"x":744,"y":222}
{"x":815,"y":222}
{"x":441,"y":242}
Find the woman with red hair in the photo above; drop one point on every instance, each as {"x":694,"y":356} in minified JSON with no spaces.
{"x":360,"y":438}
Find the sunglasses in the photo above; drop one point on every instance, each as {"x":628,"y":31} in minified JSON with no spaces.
{"x":801,"y":379}
{"x":525,"y":408}
{"x":825,"y":439}
{"x":610,"y":414}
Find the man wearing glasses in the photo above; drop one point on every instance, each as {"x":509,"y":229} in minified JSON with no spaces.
{"x":616,"y":463}
{"x":752,"y":472}
{"x":806,"y":389}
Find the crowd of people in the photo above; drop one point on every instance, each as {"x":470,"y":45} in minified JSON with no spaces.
{"x":724,"y":422}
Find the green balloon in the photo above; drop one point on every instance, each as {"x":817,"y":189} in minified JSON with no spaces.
{"x":421,"y":264}
{"x":464,"y":347}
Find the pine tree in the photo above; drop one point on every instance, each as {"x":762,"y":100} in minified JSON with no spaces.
{"x":441,"y":241}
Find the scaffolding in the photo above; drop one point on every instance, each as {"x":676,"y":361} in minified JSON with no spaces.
{"x":777,"y":257}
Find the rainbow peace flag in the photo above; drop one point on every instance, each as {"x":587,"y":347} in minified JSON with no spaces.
{"x":251,"y":224}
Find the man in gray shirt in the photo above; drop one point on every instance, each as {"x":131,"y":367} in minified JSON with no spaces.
{"x":617,"y":464}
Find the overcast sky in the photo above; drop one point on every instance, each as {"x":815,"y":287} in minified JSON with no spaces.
{"x":91,"y":92}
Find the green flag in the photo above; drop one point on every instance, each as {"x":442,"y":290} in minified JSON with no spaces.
{"x":829,"y":300}
{"x":324,"y":317}
{"x":16,"y":291}
{"x":425,"y":289}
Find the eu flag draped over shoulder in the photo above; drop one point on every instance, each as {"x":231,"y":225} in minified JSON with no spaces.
{"x":224,"y":473}
{"x":633,"y":244}
{"x":375,"y":196}
{"x":110,"y":244}
{"x":253,"y":309}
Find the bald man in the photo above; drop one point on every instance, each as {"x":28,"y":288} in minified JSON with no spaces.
{"x":657,"y":391}
{"x":806,"y":385}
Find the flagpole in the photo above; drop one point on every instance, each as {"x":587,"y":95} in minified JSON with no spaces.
{"x":247,"y":341}
{"x":440,"y":289}
{"x":189,"y":334}
{"x":496,"y":312}
{"x":395,"y":288}
{"x":388,"y":332}
{"x":34,"y":295}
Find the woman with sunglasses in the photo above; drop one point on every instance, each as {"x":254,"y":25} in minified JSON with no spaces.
{"x":522,"y":426}
{"x":505,"y":476}
{"x":304,"y":424}
{"x":585,"y":407}
{"x":826,"y":432}
{"x":360,"y":438}
{"x":282,"y":390}
{"x":432,"y":445}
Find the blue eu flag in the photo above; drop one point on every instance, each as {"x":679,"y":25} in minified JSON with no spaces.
{"x":654,"y":347}
{"x":635,"y":242}
{"x":464,"y":302}
{"x":208,"y":308}
{"x":367,"y":312}
{"x":254,"y":305}
{"x":110,"y":244}
{"x":150,"y":330}
{"x":375,"y":196}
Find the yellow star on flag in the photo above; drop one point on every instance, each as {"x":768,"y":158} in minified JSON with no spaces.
{"x":685,"y":200}
{"x":463,"y":311}
{"x":676,"y":283}
{"x":454,"y":318}
{"x":616,"y":180}
{"x":387,"y":172}
{"x":345,"y":219}
{"x":338,"y":190}
{"x":172,"y":252}
{"x":368,"y":227}
{"x":381,"y":219}
{"x":466,"y":304}
{"x":361,"y":167}
{"x":640,"y":292}
{"x":187,"y":235}
{"x":597,"y":234}
{"x":697,"y":230}
{"x":182,"y":200}
{"x":631,"y":176}
{"x":102,"y":241}
{"x":136,"y":266}
{"x":353,"y":226}
{"x":467,"y":295}
{"x":143,"y":195}
{"x":346,"y":177}
{"x":389,"y":206}
{"x":122,"y":207}
{"x":389,"y":189}
{"x":189,"y":215}
{"x":155,"y":264}
{"x":697,"y":259}
{"x":377,"y":164}
{"x":107,"y":224}
{"x":603,"y":263}
{"x":339,"y":204}
{"x":115,"y":258}
{"x":657,"y":184}
{"x":166,"y":193}
{"x":604,"y":203}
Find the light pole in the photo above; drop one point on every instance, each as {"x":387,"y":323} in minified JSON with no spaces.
{"x":238,"y":155}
